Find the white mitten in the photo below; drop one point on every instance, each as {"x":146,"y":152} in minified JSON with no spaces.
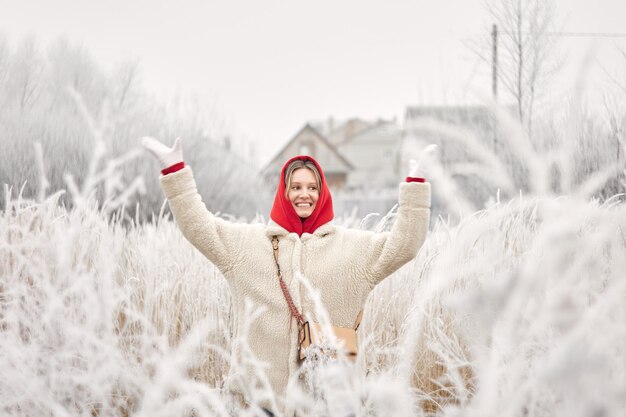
{"x":167,"y":156}
{"x":419,"y":168}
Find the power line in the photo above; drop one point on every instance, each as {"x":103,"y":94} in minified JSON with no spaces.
{"x":575,"y":34}
{"x":588,"y":34}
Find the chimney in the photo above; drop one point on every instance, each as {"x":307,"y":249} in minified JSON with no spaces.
{"x":350,"y":128}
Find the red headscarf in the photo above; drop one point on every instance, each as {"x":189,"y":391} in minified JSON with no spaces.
{"x":285,"y":215}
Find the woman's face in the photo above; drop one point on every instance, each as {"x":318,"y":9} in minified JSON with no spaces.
{"x":303,"y":192}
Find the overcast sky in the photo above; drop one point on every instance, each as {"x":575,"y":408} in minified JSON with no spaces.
{"x":269,"y":66}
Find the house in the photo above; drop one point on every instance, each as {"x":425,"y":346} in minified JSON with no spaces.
{"x":355,"y":154}
{"x":309,"y":141}
{"x":375,"y":154}
{"x":364,"y":161}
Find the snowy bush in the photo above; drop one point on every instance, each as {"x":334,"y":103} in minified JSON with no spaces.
{"x":61,"y":98}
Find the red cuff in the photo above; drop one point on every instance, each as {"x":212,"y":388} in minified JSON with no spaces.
{"x":173,"y":168}
{"x":415,"y":179}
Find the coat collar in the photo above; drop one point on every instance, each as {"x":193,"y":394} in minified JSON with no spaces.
{"x":274,"y":229}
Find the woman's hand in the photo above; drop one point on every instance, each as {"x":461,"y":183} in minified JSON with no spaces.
{"x":167,"y":156}
{"x":419,"y":168}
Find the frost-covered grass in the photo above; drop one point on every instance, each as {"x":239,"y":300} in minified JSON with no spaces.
{"x":93,"y":312}
{"x":515,"y":310}
{"x":512,"y":310}
{"x":525,"y":299}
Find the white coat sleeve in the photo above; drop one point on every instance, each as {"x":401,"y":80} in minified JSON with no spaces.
{"x":217,"y":239}
{"x":390,"y":250}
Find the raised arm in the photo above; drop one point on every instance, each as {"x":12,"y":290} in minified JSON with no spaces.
{"x":217,"y":239}
{"x":389,"y":251}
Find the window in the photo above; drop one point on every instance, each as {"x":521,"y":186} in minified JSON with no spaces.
{"x":306,"y":148}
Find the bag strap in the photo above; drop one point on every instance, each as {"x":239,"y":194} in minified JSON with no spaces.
{"x":357,"y":322}
{"x":283,"y":286}
{"x":290,"y":303}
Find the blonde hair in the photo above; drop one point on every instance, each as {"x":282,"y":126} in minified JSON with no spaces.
{"x":297,"y":164}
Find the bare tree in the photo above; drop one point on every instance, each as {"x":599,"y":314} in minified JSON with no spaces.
{"x":71,"y":66}
{"x":615,"y":113}
{"x":4,"y":62}
{"x":526,"y":51}
{"x":26,"y":73}
{"x":125,"y":80}
{"x":37,"y":104}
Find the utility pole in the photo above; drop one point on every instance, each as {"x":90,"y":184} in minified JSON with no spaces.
{"x":494,"y":81}
{"x":494,"y":62}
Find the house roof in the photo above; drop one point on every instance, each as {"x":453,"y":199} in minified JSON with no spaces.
{"x":348,"y":129}
{"x":339,"y":131}
{"x":380,"y":124}
{"x":279,"y":155}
